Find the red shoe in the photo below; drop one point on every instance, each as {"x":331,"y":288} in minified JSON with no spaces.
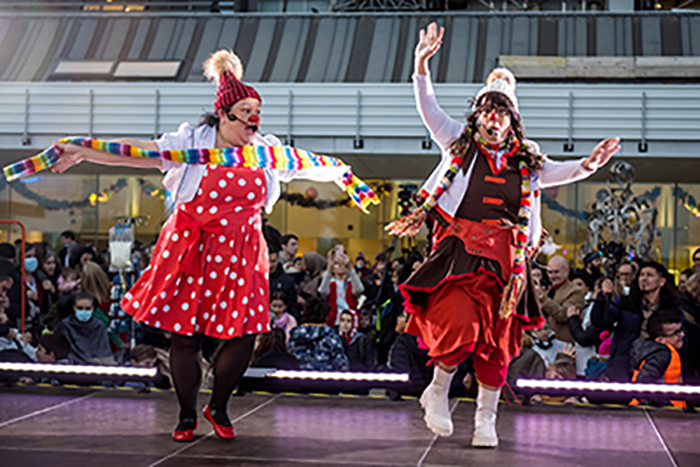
{"x":222,"y":431}
{"x":184,"y":436}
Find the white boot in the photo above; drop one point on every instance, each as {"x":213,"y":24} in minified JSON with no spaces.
{"x":485,"y":418}
{"x":436,"y":404}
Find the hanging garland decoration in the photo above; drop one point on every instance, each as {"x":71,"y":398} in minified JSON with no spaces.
{"x":652,"y":196}
{"x":49,"y":203}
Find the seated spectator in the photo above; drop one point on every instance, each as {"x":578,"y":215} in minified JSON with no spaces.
{"x":591,"y":266}
{"x":53,"y":348}
{"x":361,"y":266}
{"x":683,"y":279}
{"x":279,"y":316}
{"x":82,"y":255}
{"x":86,"y":334}
{"x":340,"y":285}
{"x":406,"y":356}
{"x":559,"y":298}
{"x":368,"y":326}
{"x":68,"y":282}
{"x":586,"y":336}
{"x":656,"y":359}
{"x":52,"y":269}
{"x":689,"y":305}
{"x":271,"y":352}
{"x":94,"y":281}
{"x":315,"y":345}
{"x":281,"y":282}
{"x":14,"y":347}
{"x":625,"y":276}
{"x":528,"y":364}
{"x":312,"y":267}
{"x":293,"y":268}
{"x":70,"y":244}
{"x":696,"y":259}
{"x":357,"y":346}
{"x":146,"y":356}
{"x":289,"y":245}
{"x":626,"y":317}
{"x":563,"y":368}
{"x":539,"y":275}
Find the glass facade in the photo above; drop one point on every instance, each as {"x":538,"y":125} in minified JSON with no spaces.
{"x":91,"y":204}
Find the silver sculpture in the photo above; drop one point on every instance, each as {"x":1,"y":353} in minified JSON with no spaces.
{"x":621,"y":218}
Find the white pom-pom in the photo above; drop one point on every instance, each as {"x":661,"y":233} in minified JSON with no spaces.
{"x":501,"y":73}
{"x":220,"y":61}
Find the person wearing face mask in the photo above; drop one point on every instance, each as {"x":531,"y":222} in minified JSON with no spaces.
{"x":484,"y":199}
{"x":209,"y":272}
{"x":87,"y":335}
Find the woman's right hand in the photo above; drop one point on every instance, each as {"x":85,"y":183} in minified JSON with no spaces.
{"x":69,"y":155}
{"x":430,"y":40}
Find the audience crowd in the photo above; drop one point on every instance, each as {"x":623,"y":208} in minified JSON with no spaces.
{"x":631,"y":323}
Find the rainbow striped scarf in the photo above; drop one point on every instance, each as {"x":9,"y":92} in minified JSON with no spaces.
{"x":251,"y":157}
{"x":411,"y":223}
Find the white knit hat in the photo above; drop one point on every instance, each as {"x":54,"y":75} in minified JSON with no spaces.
{"x":500,"y":80}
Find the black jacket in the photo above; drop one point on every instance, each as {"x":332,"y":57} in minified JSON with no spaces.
{"x":691,"y":314}
{"x":584,"y":337}
{"x":656,"y":358}
{"x":623,"y":316}
{"x":360,"y":353}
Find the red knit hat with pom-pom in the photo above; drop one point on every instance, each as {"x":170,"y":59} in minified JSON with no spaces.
{"x":225,"y":68}
{"x":231,"y":90}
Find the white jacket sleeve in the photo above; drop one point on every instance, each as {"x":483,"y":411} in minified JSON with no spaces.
{"x":443,"y":128}
{"x":556,"y":173}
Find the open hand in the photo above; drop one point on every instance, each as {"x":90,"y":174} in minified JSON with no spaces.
{"x":569,"y":349}
{"x":602,"y":153}
{"x":429,"y":42}
{"x":70,"y":155}
{"x":572,"y":311}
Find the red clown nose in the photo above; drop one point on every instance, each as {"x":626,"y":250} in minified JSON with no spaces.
{"x":254,"y":119}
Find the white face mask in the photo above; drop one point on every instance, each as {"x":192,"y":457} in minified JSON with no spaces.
{"x":626,"y":289}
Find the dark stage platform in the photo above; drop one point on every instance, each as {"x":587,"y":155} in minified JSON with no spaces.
{"x":72,"y":426}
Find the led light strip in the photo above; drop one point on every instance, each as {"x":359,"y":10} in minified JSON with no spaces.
{"x":79,"y":369}
{"x":339,"y":376}
{"x":612,"y":387}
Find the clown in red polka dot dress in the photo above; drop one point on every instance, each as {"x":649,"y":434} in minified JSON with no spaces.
{"x":209,"y":272}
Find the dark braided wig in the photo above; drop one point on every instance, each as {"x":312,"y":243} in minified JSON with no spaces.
{"x":495,"y":99}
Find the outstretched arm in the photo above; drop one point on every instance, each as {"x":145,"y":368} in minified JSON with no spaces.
{"x":71,"y":154}
{"x":443,"y":129}
{"x":562,"y":172}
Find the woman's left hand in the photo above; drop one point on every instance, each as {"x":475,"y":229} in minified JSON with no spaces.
{"x":602,"y":153}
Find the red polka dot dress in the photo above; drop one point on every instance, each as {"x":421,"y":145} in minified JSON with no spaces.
{"x":209,"y":271}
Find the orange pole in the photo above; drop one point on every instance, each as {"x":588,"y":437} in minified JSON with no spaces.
{"x":23,"y":292}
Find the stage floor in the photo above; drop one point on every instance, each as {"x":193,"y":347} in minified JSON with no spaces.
{"x":72,"y":426}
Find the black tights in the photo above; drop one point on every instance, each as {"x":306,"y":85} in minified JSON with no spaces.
{"x":230,"y":362}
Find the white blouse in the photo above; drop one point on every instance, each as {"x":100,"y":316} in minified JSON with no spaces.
{"x":182,"y":180}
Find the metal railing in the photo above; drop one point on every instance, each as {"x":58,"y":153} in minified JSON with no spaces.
{"x":32,"y":115}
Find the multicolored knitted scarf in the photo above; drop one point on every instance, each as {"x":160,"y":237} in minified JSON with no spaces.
{"x":411,"y":223}
{"x":252,"y":157}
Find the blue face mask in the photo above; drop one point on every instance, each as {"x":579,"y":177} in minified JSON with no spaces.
{"x":30,"y":264}
{"x":83,"y":315}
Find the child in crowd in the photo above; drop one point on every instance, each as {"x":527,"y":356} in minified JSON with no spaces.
{"x":357,"y":346}
{"x":271,"y":351}
{"x":53,"y":348}
{"x":68,"y":282}
{"x":656,"y":359}
{"x":278,"y":313}
{"x":563,"y":368}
